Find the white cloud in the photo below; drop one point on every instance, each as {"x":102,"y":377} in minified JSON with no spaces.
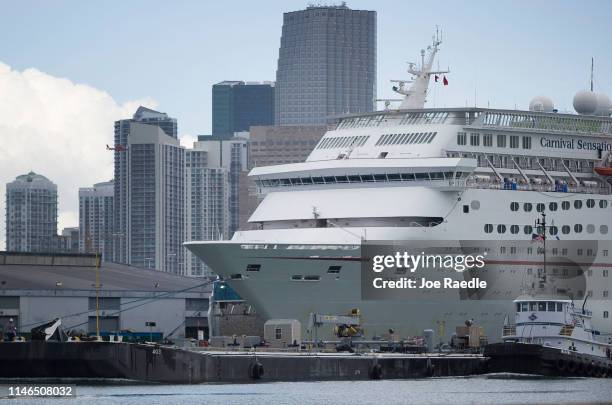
{"x":187,"y":140}
{"x":59,"y":129}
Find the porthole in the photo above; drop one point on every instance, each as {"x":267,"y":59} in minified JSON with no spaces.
{"x":553,"y":230}
{"x":475,"y":204}
{"x":501,"y":228}
{"x":527,"y":207}
{"x":603,"y":203}
{"x":578,"y":204}
{"x":565,"y":229}
{"x":540,"y":207}
{"x":528,"y":229}
{"x":514,"y":229}
{"x":514,"y":206}
{"x":603,"y":229}
{"x":577,"y":228}
{"x":590,"y":228}
{"x":488,"y":228}
{"x":553,"y":206}
{"x":565,"y":205}
{"x":590,"y":203}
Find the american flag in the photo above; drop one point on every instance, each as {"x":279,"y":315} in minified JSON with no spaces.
{"x":536,"y":237}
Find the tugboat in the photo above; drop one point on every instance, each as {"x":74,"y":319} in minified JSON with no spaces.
{"x":550,"y":336}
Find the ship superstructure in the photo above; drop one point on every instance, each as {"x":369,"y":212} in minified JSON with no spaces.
{"x":422,"y":174}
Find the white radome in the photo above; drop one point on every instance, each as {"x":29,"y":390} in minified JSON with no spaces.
{"x":585,"y":102}
{"x":541,"y":104}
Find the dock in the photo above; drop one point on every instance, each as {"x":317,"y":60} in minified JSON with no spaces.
{"x":172,"y":365}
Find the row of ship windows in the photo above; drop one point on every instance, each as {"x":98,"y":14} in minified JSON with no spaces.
{"x":487,"y":140}
{"x":363,"y":178}
{"x":553,"y":230}
{"x":553,"y":206}
{"x":406,"y":139}
{"x":528,"y":162}
{"x":342,"y":142}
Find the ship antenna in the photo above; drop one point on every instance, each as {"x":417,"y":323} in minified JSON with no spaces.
{"x":592,"y":63}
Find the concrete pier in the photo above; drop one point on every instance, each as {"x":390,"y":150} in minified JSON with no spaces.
{"x":160,"y":364}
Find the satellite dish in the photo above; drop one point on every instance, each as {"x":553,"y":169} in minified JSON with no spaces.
{"x":541,"y":104}
{"x":585,"y":102}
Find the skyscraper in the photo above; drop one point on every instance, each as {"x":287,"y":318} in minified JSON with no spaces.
{"x":237,"y":105}
{"x":96,"y":219}
{"x":326,"y":64}
{"x":206,"y":203}
{"x":149,"y":192}
{"x":31,"y":214}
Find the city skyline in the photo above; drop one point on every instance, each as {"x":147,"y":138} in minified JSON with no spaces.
{"x":74,"y":91}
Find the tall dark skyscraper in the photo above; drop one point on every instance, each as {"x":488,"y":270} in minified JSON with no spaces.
{"x":326,"y":64}
{"x":237,"y":105}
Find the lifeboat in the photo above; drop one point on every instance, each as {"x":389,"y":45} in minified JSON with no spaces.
{"x":603,"y":171}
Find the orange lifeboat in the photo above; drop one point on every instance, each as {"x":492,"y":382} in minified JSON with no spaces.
{"x":603,"y":170}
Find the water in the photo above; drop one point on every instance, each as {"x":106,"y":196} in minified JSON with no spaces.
{"x":469,"y":390}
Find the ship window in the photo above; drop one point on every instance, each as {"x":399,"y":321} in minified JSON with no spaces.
{"x":540,"y":207}
{"x":514,"y":206}
{"x":488,"y":228}
{"x":278,"y":333}
{"x":334,"y":269}
{"x":565,"y":205}
{"x":461,"y":138}
{"x":518,"y":307}
{"x":603,"y":203}
{"x":253,"y":267}
{"x":533,"y":306}
{"x":590,"y":228}
{"x":422,"y":176}
{"x":329,"y":179}
{"x":605,"y":273}
{"x":526,"y":142}
{"x":590,"y":203}
{"x":354,"y":179}
{"x":318,"y":180}
{"x":524,"y":306}
{"x":342,"y":179}
{"x":553,"y":230}
{"x":487,"y":140}
{"x":603,"y":229}
{"x":551,"y":306}
{"x":297,"y":277}
{"x":527,"y":207}
{"x":559,"y":306}
{"x":367,"y":177}
{"x":605,"y":314}
{"x":541,"y":306}
{"x":578,"y":204}
{"x":528,"y":229}
{"x":501,"y":228}
{"x":306,"y":180}
{"x":380,"y":177}
{"x":237,"y":276}
{"x":501,"y":141}
{"x":312,"y":278}
{"x":407,"y":176}
{"x":565,"y":229}
{"x":437,"y":176}
{"x":514,"y":229}
{"x":514,"y":141}
{"x":552,"y":206}
{"x":475,"y":139}
{"x":394,"y":177}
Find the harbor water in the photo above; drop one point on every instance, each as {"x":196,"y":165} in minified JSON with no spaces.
{"x":469,"y":390}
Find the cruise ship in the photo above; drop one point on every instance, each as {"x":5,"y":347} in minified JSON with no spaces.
{"x":428,"y":174}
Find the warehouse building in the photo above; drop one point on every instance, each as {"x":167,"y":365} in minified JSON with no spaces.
{"x":36,"y":288}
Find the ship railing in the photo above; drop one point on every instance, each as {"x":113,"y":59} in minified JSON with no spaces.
{"x":536,"y":187}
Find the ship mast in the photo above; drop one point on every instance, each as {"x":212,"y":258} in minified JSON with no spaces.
{"x":416,"y":95}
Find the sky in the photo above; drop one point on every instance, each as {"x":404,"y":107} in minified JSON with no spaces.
{"x":68,"y":69}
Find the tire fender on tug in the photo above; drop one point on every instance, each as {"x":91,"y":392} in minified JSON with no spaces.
{"x":256,"y":370}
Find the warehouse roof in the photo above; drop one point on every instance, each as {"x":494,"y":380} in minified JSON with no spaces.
{"x":28,"y":271}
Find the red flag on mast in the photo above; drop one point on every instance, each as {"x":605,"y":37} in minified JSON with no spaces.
{"x":445,"y":80}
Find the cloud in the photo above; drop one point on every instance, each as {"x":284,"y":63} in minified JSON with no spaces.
{"x":59,"y":129}
{"x":187,"y":140}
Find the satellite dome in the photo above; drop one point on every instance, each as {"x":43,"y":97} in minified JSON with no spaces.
{"x":604,"y":105}
{"x":541,"y":104}
{"x":585,"y":102}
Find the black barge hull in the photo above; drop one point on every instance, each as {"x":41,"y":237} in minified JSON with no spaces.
{"x":159,"y":364}
{"x":540,"y":360}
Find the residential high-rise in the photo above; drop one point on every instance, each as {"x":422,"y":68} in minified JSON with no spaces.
{"x":207,"y":214}
{"x":149,"y":192}
{"x":31,"y":214}
{"x":326,"y":64}
{"x":96,"y":219}
{"x":237,"y":105}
